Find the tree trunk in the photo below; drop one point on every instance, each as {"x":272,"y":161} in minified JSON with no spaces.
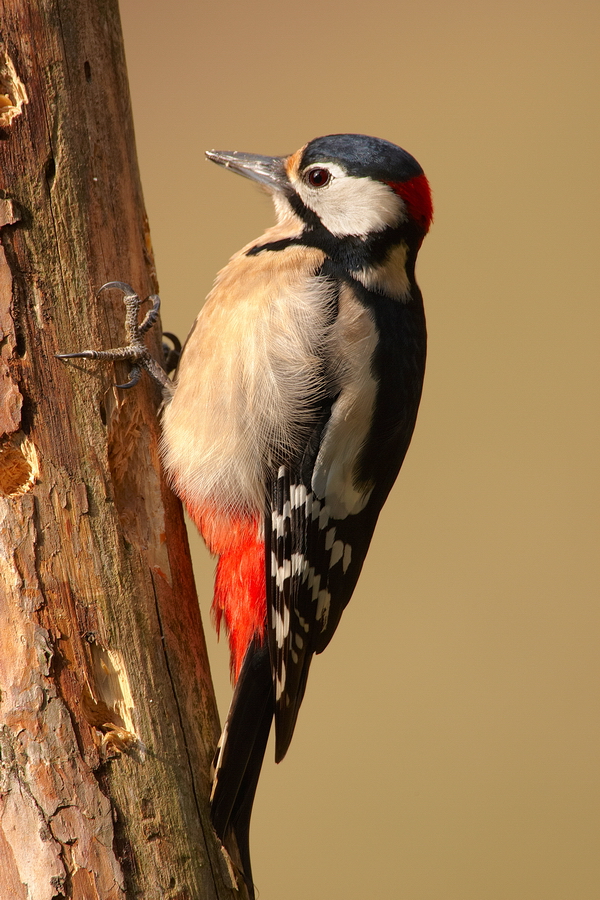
{"x":108,"y":715}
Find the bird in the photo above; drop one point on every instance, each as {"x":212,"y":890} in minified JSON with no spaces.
{"x":293,"y":407}
{"x":287,"y":421}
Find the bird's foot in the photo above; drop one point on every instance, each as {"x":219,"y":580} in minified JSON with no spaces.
{"x":135,"y":351}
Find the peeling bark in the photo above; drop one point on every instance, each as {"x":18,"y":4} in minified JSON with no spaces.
{"x":108,"y":719}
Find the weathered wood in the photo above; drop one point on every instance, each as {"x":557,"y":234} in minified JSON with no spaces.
{"x":108,"y":715}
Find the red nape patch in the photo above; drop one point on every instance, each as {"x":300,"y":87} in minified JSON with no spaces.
{"x":240,"y":596}
{"x":416,"y":193}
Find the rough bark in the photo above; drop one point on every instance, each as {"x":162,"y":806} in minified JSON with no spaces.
{"x":107,"y":708}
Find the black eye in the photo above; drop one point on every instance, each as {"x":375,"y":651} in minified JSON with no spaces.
{"x":318,"y":177}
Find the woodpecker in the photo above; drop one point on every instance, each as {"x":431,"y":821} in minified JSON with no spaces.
{"x":294,"y":405}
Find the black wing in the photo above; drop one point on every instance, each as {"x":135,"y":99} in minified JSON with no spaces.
{"x":314,"y":559}
{"x":313,"y":564}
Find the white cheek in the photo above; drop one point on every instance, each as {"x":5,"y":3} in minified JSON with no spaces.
{"x":353,"y":206}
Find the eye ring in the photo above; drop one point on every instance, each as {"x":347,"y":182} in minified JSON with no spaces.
{"x":318,"y":177}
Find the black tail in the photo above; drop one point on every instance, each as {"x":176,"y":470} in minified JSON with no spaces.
{"x":240,"y":754}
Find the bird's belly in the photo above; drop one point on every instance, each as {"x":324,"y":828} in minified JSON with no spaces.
{"x":248,"y":381}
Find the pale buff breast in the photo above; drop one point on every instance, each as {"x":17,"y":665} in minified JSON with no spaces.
{"x":250,"y":371}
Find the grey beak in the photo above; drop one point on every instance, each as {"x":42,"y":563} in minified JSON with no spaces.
{"x":267,"y":170}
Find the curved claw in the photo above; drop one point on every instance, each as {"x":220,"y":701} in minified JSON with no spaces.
{"x":171,"y":355}
{"x":135,"y":351}
{"x":134,"y":377}
{"x":174,"y":339}
{"x":120,"y":285}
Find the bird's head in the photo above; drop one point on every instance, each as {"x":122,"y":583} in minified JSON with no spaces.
{"x":345,"y":185}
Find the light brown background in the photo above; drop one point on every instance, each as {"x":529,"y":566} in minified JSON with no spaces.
{"x":448,"y":744}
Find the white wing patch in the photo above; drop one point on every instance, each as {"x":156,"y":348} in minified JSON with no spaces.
{"x":334,"y":476}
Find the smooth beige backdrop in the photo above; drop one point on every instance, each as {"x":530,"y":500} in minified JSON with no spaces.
{"x":448,"y":744}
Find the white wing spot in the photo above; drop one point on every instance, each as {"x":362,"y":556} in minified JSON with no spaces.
{"x":281,"y":624}
{"x":282,"y":573}
{"x":277,"y":524}
{"x":309,"y":504}
{"x":298,"y":495}
{"x":299,"y":565}
{"x":279,"y":519}
{"x":329,"y":539}
{"x":323,"y":517}
{"x":337,"y":551}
